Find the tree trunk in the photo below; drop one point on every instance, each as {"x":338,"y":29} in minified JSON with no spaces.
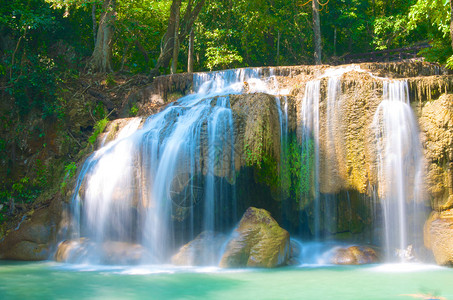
{"x":317,"y":32}
{"x":93,"y":17}
{"x":451,"y":22}
{"x":101,"y":58}
{"x":185,"y":26}
{"x":190,"y":54}
{"x":174,"y":62}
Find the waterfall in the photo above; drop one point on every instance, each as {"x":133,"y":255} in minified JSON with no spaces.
{"x":310,"y":150}
{"x":178,"y":166}
{"x":399,"y":163}
{"x":165,"y":180}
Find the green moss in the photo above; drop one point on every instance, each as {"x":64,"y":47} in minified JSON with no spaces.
{"x":268,"y":173}
{"x":291,"y":175}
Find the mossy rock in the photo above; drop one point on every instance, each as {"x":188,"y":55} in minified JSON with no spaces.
{"x":258,"y":241}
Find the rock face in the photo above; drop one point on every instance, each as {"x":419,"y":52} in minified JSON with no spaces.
{"x":355,"y":255}
{"x":258,"y":241}
{"x":438,"y":236}
{"x":203,"y":250}
{"x":34,"y":237}
{"x":437,"y":124}
{"x":75,"y":251}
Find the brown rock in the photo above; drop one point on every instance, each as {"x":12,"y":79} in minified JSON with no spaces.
{"x":34,"y":236}
{"x":436,"y":122}
{"x":30,"y":251}
{"x":258,"y":241}
{"x":438,"y":237}
{"x":355,"y":255}
{"x":203,"y":250}
{"x":109,"y":252}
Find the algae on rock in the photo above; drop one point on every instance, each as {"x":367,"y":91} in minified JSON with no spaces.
{"x":258,"y":241}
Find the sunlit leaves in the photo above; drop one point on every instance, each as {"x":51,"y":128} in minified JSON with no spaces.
{"x":436,"y":12}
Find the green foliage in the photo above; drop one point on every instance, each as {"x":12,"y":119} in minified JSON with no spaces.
{"x":436,"y":12}
{"x":70,"y":171}
{"x":134,"y":110}
{"x":28,"y":188}
{"x":99,"y":111}
{"x":98,"y":129}
{"x":435,"y":15}
{"x":33,"y":87}
{"x":233,"y":33}
{"x":389,"y":31}
{"x":450,"y":62}
{"x":250,"y":30}
{"x":140,"y":26}
{"x":221,"y":57}
{"x":440,"y":51}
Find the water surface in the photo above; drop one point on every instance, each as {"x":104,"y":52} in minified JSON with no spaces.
{"x":50,"y":280}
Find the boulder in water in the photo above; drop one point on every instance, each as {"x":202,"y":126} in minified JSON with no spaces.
{"x":203,"y":250}
{"x":258,"y":241}
{"x":354,"y":255}
{"x":73,"y":250}
{"x":109,"y":252}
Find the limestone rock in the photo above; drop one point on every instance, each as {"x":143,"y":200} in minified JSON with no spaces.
{"x":124,"y":253}
{"x":203,"y":250}
{"x":114,"y":129}
{"x":436,"y":122}
{"x":259,"y":129}
{"x":33,"y":238}
{"x":28,"y":251}
{"x":438,"y":236}
{"x":72,"y":250}
{"x":110,"y":252}
{"x":258,"y":241}
{"x":355,"y":255}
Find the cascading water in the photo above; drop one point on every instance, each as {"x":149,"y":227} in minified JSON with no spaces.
{"x":399,"y":163}
{"x":282,"y":107}
{"x":313,"y":122}
{"x":310,"y":150}
{"x":399,"y":160}
{"x":179,"y":165}
{"x":165,"y":180}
